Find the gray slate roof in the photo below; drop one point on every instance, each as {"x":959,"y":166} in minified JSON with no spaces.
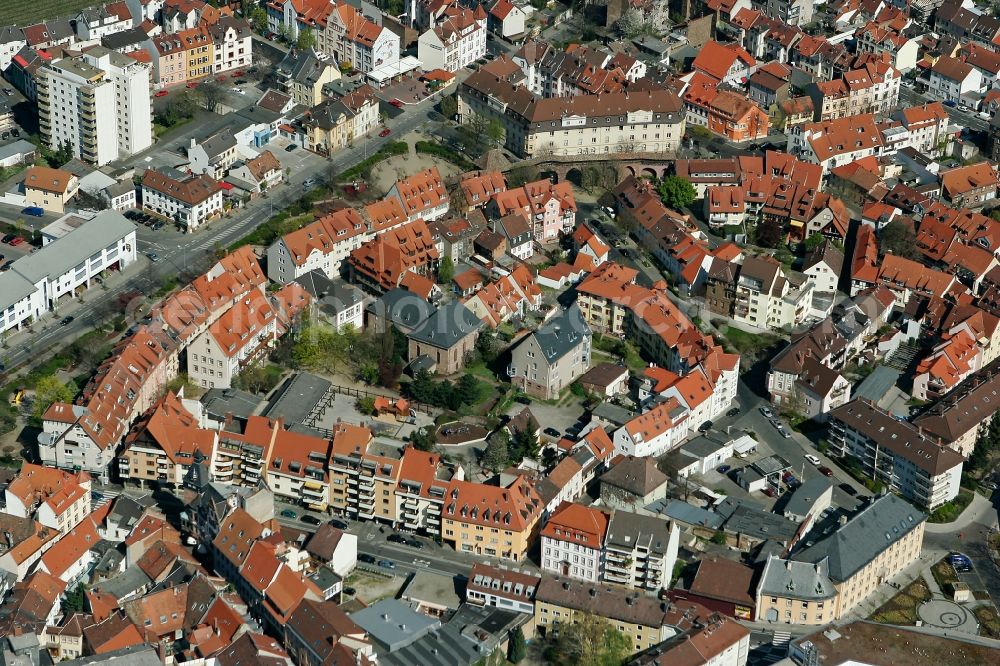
{"x":873,"y":530}
{"x":393,"y":624}
{"x":562,"y":334}
{"x":448,"y":326}
{"x":401,"y":307}
{"x":796,"y":580}
{"x":626,"y":530}
{"x":805,"y":496}
{"x":332,"y":295}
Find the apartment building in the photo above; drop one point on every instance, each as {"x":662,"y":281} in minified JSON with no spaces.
{"x":638,"y":121}
{"x":837,"y":142}
{"x":553,"y":356}
{"x":971,"y":186}
{"x":352,"y":39}
{"x":491,"y":521}
{"x":958,"y":419}
{"x":724,"y":63}
{"x":605,"y":295}
{"x":455,"y":42}
{"x":337,"y":123}
{"x":644,"y":620}
{"x":164,"y":444}
{"x":303,"y":73}
{"x":231,"y":39}
{"x":640,"y":551}
{"x":54,"y":498}
{"x":507,"y":589}
{"x":789,"y":12}
{"x":575,"y":70}
{"x":572,"y":542}
{"x":360,"y":474}
{"x":926,"y":124}
{"x":792,"y":592}
{"x":380,"y":264}
{"x":298,"y":469}
{"x":951,"y":79}
{"x":897,"y":453}
{"x":38,"y":282}
{"x":423,"y":195}
{"x":874,"y":546}
{"x":762,"y":296}
{"x":240,"y":456}
{"x":725,"y":113}
{"x":182,"y":57}
{"x":550,"y":207}
{"x":98,"y":103}
{"x":949,"y":363}
{"x":871,"y":89}
{"x":188,"y":200}
{"x":328,"y":242}
{"x":236,"y":340}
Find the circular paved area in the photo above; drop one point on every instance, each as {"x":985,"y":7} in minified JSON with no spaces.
{"x":946,"y":614}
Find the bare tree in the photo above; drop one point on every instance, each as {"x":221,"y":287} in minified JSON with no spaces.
{"x":210,"y":94}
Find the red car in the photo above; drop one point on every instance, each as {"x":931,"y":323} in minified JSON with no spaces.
{"x":161,"y":93}
{"x":825,"y":471}
{"x":396,"y":103}
{"x":238,"y":73}
{"x":17,"y":240}
{"x":192,"y":84}
{"x":385,"y":132}
{"x":221,"y":78}
{"x":769,"y":492}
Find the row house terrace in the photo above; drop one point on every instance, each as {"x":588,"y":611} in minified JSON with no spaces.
{"x":55,"y":498}
{"x":422,"y":195}
{"x":380,"y":264}
{"x":577,"y":70}
{"x":871,"y":89}
{"x":298,"y":468}
{"x":550,"y":207}
{"x":328,"y":242}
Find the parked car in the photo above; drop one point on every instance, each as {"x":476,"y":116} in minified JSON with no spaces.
{"x":387,"y":564}
{"x":34,"y":211}
{"x":733,"y":412}
{"x":349,"y":591}
{"x":770,"y":492}
{"x":414,"y":543}
{"x":705,"y":427}
{"x":161,"y":93}
{"x":8,"y":238}
{"x":192,"y":84}
{"x":950,"y":102}
{"x":396,"y":538}
{"x":339,"y":524}
{"x":17,"y":240}
{"x":787,"y":475}
{"x":67,"y":320}
{"x":366,"y":558}
{"x":288,"y":513}
{"x":766,"y":411}
{"x":813,"y":460}
{"x":153,"y":256}
{"x":722,"y":469}
{"x":848,"y":488}
{"x":309,"y":182}
{"x":290,"y":147}
{"x":784,"y":433}
{"x":6,"y":267}
{"x":239,"y":91}
{"x":396,"y":103}
{"x":385,"y":132}
{"x":825,"y":471}
{"x":552,"y":432}
{"x":310,"y":520}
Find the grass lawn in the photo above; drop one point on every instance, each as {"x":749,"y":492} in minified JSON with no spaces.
{"x":27,"y":12}
{"x":902,"y":608}
{"x":747,"y":343}
{"x":989,"y":621}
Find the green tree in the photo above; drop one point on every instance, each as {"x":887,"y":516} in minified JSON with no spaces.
{"x":423,"y":439}
{"x":496,"y":454}
{"x":49,"y":389}
{"x":73,"y":601}
{"x":676,"y":192}
{"x":449,"y":106}
{"x":487,"y":345}
{"x":369,"y":373}
{"x":496,"y":133}
{"x":719,"y":537}
{"x":366,"y":405}
{"x":768,"y":234}
{"x":258,"y":18}
{"x":590,"y":641}
{"x":517,"y":648}
{"x":446,"y":271}
{"x":898,"y":238}
{"x":526,"y":444}
{"x":306,"y":40}
{"x":814,"y":241}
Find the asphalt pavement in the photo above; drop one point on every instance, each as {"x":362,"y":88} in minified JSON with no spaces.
{"x":188,"y":252}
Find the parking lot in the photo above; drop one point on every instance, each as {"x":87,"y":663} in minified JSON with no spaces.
{"x":9,"y":252}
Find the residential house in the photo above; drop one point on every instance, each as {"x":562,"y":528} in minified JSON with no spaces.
{"x":553,"y":356}
{"x":513,"y":511}
{"x":379,"y":264}
{"x":422,"y":195}
{"x":572,"y":542}
{"x":506,"y":19}
{"x":188,"y":200}
{"x":725,"y":113}
{"x":824,"y":266}
{"x":956,"y":422}
{"x":632,"y":483}
{"x":303,"y":73}
{"x":353,"y":39}
{"x":871,"y":89}
{"x":502,"y":588}
{"x":49,"y":189}
{"x":212,"y":155}
{"x":232,"y":48}
{"x":337,"y":123}
{"x":724,"y":63}
{"x":456,"y":42}
{"x":926,"y":124}
{"x":56,"y":499}
{"x":550,"y":207}
{"x":336,"y":301}
{"x":236,"y":340}
{"x":97,"y":22}
{"x":264,"y":172}
{"x":182,"y":57}
{"x":970,"y":186}
{"x":951,"y":79}
{"x":640,"y":551}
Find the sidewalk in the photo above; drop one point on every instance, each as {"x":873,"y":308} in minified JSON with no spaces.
{"x":972,"y":513}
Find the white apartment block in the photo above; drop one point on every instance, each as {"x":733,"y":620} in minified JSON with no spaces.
{"x":457,"y":42}
{"x":66,"y":444}
{"x":39,"y":281}
{"x":640,"y":551}
{"x":950,"y":79}
{"x":352,"y":38}
{"x":133,"y":109}
{"x":99,"y":103}
{"x":189,"y":201}
{"x":239,"y":338}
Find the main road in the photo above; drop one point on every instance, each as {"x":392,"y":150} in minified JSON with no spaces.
{"x":181,"y":254}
